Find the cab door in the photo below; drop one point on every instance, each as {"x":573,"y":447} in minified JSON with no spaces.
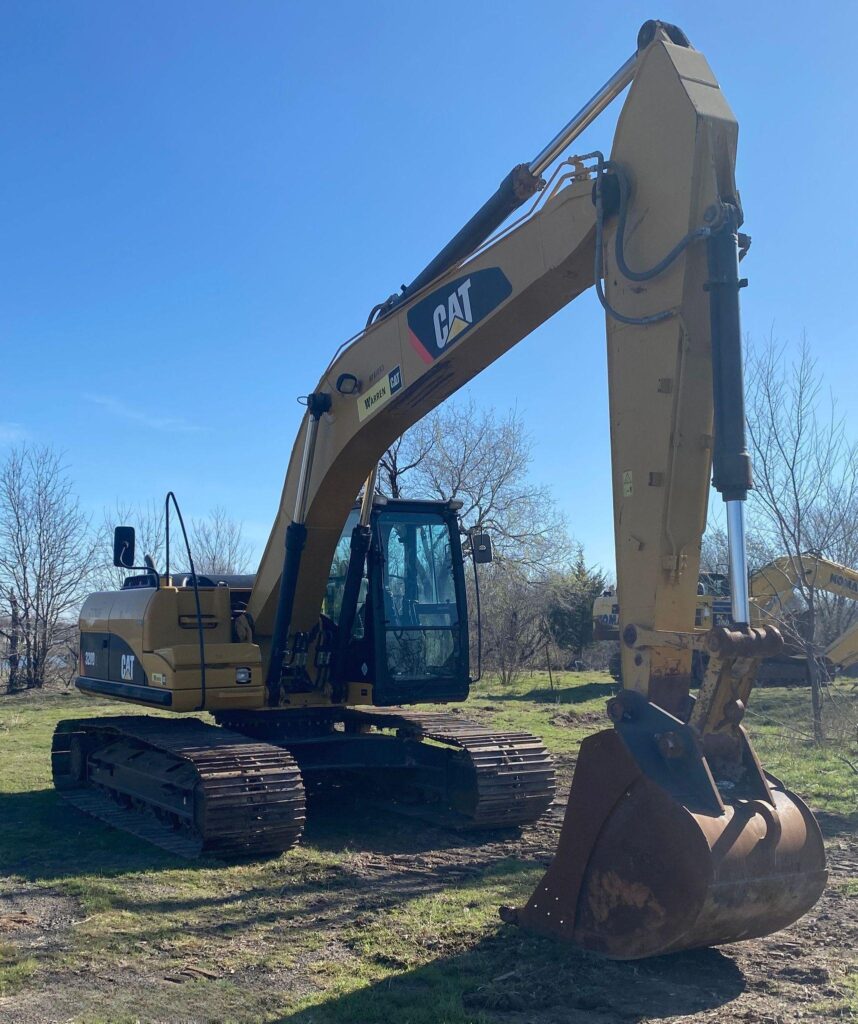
{"x":419,"y":605}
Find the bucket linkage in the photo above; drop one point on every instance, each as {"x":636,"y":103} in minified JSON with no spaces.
{"x":674,"y":837}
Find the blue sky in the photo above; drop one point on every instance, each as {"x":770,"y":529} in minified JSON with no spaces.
{"x":201,"y":200}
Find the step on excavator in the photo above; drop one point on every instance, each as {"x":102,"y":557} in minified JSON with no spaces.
{"x":674,"y":836}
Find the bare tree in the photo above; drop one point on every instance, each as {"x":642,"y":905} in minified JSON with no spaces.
{"x":46,"y":558}
{"x":838,"y":613}
{"x":11,"y":632}
{"x":514,"y":628}
{"x":403,"y":457}
{"x":806,"y":483}
{"x":218,"y":544}
{"x":713,"y":551}
{"x":148,"y":523}
{"x":482,"y":459}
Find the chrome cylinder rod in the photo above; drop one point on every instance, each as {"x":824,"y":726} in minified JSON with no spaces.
{"x":368,"y":495}
{"x":738,"y":557}
{"x":522,"y":182}
{"x":585,"y":116}
{"x":306,"y":469}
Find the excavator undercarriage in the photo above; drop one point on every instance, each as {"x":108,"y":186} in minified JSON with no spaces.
{"x":188,"y":787}
{"x":435,"y":765}
{"x":239,"y":790}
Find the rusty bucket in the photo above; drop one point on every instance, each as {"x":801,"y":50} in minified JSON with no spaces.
{"x":654,"y":857}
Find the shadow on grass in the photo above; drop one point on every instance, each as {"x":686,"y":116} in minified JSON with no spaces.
{"x":519,"y":974}
{"x":559,"y":695}
{"x":338,"y":822}
{"x":324,"y":906}
{"x":834,"y":825}
{"x":42,"y":838}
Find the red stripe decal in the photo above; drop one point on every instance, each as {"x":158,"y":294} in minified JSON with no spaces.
{"x":418,"y":346}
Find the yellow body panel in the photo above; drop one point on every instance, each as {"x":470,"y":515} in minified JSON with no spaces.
{"x":159,"y":627}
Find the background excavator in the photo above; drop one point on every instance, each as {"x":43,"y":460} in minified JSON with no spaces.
{"x":778,"y":596}
{"x":776,"y":600}
{"x":712,"y":608}
{"x":674,"y":836}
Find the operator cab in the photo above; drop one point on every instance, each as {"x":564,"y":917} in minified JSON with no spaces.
{"x":410,"y":631}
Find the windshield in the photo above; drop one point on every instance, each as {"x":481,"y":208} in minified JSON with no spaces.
{"x":421,"y":616}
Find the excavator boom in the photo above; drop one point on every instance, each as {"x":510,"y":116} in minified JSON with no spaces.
{"x":773,"y":585}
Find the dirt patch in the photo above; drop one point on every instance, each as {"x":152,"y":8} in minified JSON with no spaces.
{"x":569,"y":719}
{"x":35,"y":918}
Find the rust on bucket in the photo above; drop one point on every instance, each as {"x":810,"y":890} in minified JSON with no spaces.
{"x":654,"y":857}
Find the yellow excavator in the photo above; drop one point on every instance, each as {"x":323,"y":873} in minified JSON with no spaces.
{"x":778,"y":592}
{"x":674,"y":836}
{"x":712,"y":607}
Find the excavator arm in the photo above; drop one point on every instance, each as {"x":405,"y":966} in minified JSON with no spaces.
{"x":843,"y":650}
{"x":774,"y":585}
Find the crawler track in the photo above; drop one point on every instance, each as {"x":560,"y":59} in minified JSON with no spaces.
{"x":509,"y":779}
{"x":469,"y":776}
{"x":185,"y":786}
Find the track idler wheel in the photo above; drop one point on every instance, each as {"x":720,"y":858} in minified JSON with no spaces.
{"x":649,"y":862}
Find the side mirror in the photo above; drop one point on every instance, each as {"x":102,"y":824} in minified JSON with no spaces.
{"x":123,"y":547}
{"x":481,"y":548}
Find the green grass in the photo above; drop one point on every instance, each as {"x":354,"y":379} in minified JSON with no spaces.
{"x":562,"y":715}
{"x":310,"y":937}
{"x":824,"y":775}
{"x":15,"y":969}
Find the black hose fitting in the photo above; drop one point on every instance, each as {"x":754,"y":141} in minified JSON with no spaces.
{"x":318,"y":402}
